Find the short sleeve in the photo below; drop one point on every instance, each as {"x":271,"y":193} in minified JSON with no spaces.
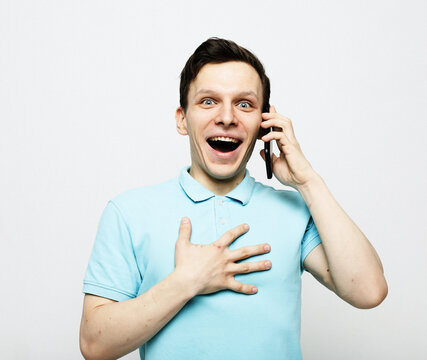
{"x":309,"y":241}
{"x":112,"y":271}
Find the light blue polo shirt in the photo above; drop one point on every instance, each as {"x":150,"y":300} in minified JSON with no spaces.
{"x":135,"y":246}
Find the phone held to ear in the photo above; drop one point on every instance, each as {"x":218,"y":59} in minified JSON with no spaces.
{"x":267,"y":146}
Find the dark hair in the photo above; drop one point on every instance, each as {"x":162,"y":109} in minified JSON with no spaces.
{"x":216,"y":51}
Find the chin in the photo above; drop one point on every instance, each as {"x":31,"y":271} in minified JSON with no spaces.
{"x":223,"y":172}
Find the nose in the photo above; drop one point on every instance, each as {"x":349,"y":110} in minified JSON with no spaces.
{"x":226,"y":116}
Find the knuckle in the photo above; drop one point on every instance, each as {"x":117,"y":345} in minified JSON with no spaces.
{"x":228,"y":254}
{"x":239,"y":287}
{"x":233,"y":284}
{"x":245,"y":267}
{"x":232,"y":234}
{"x":248,"y":289}
{"x":245,"y":252}
{"x":228,"y":270}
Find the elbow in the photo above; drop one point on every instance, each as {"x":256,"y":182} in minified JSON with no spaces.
{"x":86,"y":348}
{"x":91,"y":351}
{"x":373,"y":296}
{"x":379,"y":296}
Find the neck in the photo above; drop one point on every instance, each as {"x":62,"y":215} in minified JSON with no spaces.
{"x":217,"y":186}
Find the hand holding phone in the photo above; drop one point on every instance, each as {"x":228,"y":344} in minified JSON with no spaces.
{"x":267,"y":146}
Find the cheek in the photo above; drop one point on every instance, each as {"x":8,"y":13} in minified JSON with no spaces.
{"x":198,"y":121}
{"x":195,"y":134}
{"x":192,"y":128}
{"x":253,"y":127}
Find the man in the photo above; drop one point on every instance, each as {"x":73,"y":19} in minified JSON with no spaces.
{"x":149,"y":286}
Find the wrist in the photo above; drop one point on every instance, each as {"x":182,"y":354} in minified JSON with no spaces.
{"x":187,"y":287}
{"x":308,"y":190}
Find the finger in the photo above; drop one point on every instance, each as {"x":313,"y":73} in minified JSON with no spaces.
{"x":274,"y":122}
{"x":233,"y":234}
{"x":184,"y":230}
{"x":273,"y":115}
{"x":236,"y":286}
{"x":275,"y":125}
{"x":280,"y":136}
{"x":282,"y":121}
{"x":249,"y":267}
{"x":273,"y":160}
{"x":248,"y":251}
{"x":284,"y":124}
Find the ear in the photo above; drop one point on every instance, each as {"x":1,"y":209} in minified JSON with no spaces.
{"x":261,"y":133}
{"x":181,"y":121}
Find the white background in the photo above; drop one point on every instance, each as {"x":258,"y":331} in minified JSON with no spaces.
{"x":88,"y":91}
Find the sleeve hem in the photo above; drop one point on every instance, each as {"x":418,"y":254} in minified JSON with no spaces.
{"x":309,"y":246}
{"x":129,"y":230}
{"x":106,"y":292}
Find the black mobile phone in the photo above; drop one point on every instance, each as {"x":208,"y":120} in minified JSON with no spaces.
{"x":267,"y":146}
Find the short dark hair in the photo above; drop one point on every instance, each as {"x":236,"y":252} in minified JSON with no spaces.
{"x":216,"y":51}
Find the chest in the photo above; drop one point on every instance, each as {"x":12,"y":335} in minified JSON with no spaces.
{"x":155,"y":237}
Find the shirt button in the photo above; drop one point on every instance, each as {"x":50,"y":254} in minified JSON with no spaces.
{"x":222,"y":221}
{"x":219,"y":202}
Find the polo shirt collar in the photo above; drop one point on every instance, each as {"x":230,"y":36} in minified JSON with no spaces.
{"x":243,"y":191}
{"x":197,"y":192}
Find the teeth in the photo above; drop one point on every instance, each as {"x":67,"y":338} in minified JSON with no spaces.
{"x":223,"y":138}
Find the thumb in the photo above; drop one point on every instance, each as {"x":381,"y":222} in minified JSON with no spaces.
{"x":184,"y":230}
{"x":273,"y":158}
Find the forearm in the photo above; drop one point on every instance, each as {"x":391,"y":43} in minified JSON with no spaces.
{"x":354,"y":265}
{"x":114,"y":329}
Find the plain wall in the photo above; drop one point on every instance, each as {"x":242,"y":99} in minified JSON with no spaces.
{"x":88,"y":91}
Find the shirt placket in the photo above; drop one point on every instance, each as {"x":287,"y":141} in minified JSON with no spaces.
{"x":221,"y":215}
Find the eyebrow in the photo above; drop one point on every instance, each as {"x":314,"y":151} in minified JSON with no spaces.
{"x":213,"y":92}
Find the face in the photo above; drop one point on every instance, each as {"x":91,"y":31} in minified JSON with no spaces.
{"x":222,"y":120}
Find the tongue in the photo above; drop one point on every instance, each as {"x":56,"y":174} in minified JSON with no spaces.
{"x":223,"y":146}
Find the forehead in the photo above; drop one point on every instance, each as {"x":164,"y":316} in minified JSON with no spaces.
{"x":229,"y":77}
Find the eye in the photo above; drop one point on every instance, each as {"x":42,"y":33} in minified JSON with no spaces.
{"x":245,"y":104}
{"x":207,"y":102}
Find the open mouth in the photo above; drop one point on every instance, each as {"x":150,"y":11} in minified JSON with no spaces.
{"x":224,"y":144}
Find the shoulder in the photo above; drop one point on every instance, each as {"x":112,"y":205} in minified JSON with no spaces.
{"x":144,"y":198}
{"x":271,"y":193}
{"x":279,"y":197}
{"x":147,"y":191}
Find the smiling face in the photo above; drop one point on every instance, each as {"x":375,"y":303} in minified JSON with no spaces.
{"x":222,"y":120}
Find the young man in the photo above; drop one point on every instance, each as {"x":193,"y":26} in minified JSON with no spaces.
{"x":149,"y":286}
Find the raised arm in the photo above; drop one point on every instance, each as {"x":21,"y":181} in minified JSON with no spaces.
{"x":345,"y":262}
{"x":112,"y":329}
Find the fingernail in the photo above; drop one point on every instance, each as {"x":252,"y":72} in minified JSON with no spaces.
{"x":267,"y":264}
{"x":184,"y":220}
{"x":254,"y":290}
{"x":266,"y":247}
{"x":246,"y":226}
